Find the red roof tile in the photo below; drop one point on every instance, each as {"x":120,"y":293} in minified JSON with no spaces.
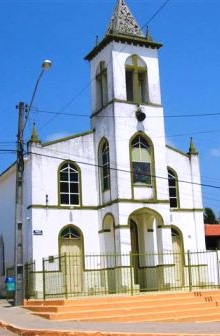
{"x":212,"y":229}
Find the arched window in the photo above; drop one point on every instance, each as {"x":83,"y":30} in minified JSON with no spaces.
{"x":101,"y":85}
{"x":70,"y":233}
{"x":141,"y":161}
{"x":69,"y":180}
{"x":173,"y":188}
{"x":105,"y":165}
{"x":136,"y":80}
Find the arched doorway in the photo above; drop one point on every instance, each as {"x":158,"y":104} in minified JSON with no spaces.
{"x":177,"y":250}
{"x":146,"y":242}
{"x":71,"y":252}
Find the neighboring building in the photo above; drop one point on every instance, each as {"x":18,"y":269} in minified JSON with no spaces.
{"x":212,"y":236}
{"x":117,"y":188}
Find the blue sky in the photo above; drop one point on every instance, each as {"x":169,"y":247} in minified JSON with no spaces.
{"x":65,"y":31}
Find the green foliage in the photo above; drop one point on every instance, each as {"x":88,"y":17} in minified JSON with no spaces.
{"x":209,"y":216}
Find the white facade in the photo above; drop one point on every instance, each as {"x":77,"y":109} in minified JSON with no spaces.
{"x":105,"y":208}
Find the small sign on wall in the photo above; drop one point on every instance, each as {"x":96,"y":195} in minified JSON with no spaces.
{"x":38,"y":232}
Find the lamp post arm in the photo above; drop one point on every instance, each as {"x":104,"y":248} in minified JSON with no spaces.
{"x":45,"y":66}
{"x":32,"y":98}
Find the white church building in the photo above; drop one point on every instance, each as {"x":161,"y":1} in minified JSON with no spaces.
{"x":117,"y":189}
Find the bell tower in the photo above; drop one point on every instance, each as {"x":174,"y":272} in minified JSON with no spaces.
{"x":124,"y":63}
{"x":126,"y":99}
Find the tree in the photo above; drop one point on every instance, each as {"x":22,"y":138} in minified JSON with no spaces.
{"x":209,"y":216}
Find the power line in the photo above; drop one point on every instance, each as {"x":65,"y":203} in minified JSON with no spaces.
{"x":156,"y":13}
{"x":127,"y":117}
{"x":68,"y":104}
{"x":127,"y":171}
{"x":191,"y":133}
{"x":157,"y":136}
{"x":8,"y":150}
{"x":7,"y":142}
{"x":119,"y":170}
{"x":192,"y":115}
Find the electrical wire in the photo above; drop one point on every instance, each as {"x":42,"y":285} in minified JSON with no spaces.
{"x":8,"y":150}
{"x":126,"y":171}
{"x":156,"y":13}
{"x":61,"y":157}
{"x":127,"y":117}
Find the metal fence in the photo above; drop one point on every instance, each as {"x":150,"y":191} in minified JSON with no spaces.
{"x":73,"y":275}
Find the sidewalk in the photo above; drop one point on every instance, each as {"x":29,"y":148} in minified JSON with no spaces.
{"x":23,"y":322}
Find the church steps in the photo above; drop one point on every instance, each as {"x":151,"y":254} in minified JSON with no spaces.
{"x":82,"y":301}
{"x":197,"y":306}
{"x":138,"y":305}
{"x":212,"y":317}
{"x":102,"y":303}
{"x":85,"y":302}
{"x":131,"y":315}
{"x":116,"y":298}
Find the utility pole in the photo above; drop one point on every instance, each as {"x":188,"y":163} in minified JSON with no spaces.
{"x":18,"y":253}
{"x":19,"y":274}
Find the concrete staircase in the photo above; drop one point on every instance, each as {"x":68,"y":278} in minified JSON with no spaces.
{"x":201,"y":306}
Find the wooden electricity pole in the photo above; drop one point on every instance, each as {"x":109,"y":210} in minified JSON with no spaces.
{"x":18,"y":253}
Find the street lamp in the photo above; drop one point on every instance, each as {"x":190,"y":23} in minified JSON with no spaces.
{"x":18,"y":251}
{"x":46,"y":65}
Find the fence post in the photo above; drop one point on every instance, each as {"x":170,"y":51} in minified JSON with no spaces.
{"x":189,"y":270}
{"x":217,"y":261}
{"x":44,"y":280}
{"x":33,"y":278}
{"x":131,"y":275}
{"x":26,"y":279}
{"x":65,"y":274}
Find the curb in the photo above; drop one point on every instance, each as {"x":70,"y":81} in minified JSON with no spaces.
{"x":34,"y":332}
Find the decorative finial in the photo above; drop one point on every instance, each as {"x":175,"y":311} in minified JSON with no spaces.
{"x":192,"y":148}
{"x":34,"y":135}
{"x":148,"y":36}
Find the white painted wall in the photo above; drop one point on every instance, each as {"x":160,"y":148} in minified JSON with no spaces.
{"x":52,"y":221}
{"x":190,"y":219}
{"x":7,"y":213}
{"x":45,"y":164}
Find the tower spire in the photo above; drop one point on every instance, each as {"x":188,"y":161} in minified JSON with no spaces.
{"x":123,"y":28}
{"x":123,"y":22}
{"x":192,"y":148}
{"x":34,"y":135}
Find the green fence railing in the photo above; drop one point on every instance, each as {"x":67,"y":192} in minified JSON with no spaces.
{"x":72,"y":275}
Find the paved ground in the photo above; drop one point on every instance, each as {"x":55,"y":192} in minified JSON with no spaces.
{"x":22,"y":322}
{"x":5,"y":332}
